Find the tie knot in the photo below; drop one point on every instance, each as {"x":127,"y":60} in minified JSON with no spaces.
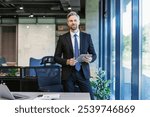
{"x":75,"y":35}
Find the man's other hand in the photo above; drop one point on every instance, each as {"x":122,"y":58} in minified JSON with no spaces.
{"x":71,"y":62}
{"x":87,"y":59}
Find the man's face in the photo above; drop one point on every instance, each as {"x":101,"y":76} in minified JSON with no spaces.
{"x":73,"y":22}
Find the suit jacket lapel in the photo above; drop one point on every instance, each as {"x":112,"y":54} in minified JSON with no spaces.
{"x":81,"y":42}
{"x":69,"y":43}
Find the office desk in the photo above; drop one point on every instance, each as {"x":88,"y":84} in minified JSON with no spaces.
{"x":63,"y":96}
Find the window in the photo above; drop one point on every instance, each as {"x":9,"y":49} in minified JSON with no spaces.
{"x":113,"y":25}
{"x":126,"y":50}
{"x":145,"y":50}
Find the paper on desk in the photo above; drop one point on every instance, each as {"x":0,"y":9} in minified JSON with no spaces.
{"x":80,"y":58}
{"x":48,"y":97}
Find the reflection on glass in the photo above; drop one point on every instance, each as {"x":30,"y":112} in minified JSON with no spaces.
{"x":126,"y":50}
{"x":145,"y":50}
{"x":113,"y":18}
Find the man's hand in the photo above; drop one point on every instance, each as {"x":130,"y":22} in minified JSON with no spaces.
{"x":87,"y":59}
{"x":71,"y":62}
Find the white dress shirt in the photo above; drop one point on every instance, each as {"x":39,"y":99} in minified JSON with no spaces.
{"x":78,"y":39}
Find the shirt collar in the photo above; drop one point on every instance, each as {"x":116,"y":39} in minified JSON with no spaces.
{"x":72,"y":33}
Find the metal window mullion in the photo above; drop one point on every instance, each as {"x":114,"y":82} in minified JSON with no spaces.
{"x":109,"y":39}
{"x":136,"y":47}
{"x":103,"y":35}
{"x":100,"y":33}
{"x":118,"y":50}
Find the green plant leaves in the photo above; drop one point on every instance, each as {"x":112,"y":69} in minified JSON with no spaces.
{"x":100,"y":86}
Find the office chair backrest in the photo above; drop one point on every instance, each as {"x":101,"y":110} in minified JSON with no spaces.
{"x":48,"y":75}
{"x":2,"y":60}
{"x":47,"y":60}
{"x":33,"y":63}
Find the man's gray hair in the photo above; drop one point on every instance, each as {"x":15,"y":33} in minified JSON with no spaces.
{"x":73,"y":13}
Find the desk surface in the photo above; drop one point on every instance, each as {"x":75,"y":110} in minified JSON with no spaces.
{"x":63,"y":96}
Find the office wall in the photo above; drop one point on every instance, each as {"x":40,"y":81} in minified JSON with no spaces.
{"x":35,"y":40}
{"x":8,"y":43}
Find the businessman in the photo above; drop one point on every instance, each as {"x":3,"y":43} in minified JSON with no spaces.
{"x":69,"y":47}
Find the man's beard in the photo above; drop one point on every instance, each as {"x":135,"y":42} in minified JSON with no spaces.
{"x":73,"y":27}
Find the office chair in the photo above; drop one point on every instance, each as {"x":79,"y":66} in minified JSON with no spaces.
{"x":2,"y":60}
{"x":48,"y":60}
{"x":34,"y":63}
{"x":49,"y":78}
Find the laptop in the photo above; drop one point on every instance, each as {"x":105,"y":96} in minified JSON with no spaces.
{"x":6,"y":94}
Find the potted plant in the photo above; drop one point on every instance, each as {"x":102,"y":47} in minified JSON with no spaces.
{"x":100,"y":86}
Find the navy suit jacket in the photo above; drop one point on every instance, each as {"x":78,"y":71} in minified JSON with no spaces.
{"x":64,"y":51}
